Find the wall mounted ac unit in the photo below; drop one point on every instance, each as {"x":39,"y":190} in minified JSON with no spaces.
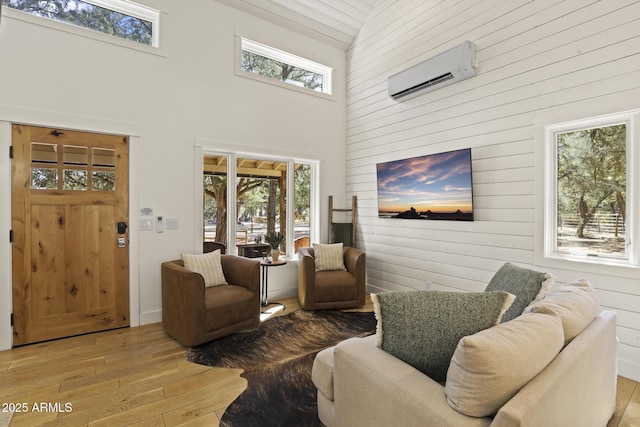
{"x":456,"y":64}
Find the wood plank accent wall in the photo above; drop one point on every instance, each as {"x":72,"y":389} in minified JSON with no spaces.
{"x":543,"y":60}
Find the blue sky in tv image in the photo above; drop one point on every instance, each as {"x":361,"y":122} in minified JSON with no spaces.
{"x":434,"y":186}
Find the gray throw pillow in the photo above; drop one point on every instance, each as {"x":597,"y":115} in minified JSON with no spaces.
{"x":527,"y":285}
{"x":422,"y":328}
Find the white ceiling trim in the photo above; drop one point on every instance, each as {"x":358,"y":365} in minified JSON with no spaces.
{"x":336,"y":22}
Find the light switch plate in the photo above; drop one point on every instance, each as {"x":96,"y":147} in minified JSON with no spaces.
{"x":146,"y":224}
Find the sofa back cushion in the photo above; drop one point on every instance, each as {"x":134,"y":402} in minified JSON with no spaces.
{"x":422,"y":328}
{"x":575,"y":303}
{"x":488,"y":368}
{"x":526,"y":284}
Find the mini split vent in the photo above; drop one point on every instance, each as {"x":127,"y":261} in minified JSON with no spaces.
{"x":456,"y":64}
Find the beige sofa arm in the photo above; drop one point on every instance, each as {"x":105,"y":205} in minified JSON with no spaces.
{"x":371,"y":387}
{"x":557,"y":397}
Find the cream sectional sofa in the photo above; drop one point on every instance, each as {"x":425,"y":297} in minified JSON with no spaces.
{"x":359,"y":384}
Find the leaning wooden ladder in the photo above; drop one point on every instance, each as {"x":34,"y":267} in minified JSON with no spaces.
{"x":344,"y":232}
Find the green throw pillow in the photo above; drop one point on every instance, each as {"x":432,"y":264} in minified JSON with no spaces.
{"x":422,"y":328}
{"x":527,"y":285}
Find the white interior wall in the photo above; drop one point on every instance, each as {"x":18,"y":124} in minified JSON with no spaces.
{"x":184,"y":92}
{"x":539,"y":62}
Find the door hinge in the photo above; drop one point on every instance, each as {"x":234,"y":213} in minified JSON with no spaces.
{"x":10,"y":236}
{"x":11,"y":151}
{"x":11,"y":319}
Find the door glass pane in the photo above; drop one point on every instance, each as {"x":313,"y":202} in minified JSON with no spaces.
{"x":104,"y":157}
{"x":72,"y":155}
{"x":74,"y":179}
{"x":44,"y":153}
{"x":44,"y":178}
{"x":215,"y":199}
{"x":103,"y":181}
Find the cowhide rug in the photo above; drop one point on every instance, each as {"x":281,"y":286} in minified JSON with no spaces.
{"x":277,"y":357}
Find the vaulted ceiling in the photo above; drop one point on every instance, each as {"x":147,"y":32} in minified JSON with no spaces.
{"x":334,"y":21}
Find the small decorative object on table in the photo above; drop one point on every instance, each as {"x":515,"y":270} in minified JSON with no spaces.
{"x":274,"y":240}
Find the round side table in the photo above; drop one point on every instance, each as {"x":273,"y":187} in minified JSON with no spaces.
{"x":265,"y":263}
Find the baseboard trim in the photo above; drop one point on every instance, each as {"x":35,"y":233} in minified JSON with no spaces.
{"x":629,"y":369}
{"x":149,"y":317}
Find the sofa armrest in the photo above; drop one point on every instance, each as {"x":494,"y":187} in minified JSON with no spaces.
{"x":354,"y":260}
{"x":306,"y":277}
{"x":182,"y":301}
{"x":241,"y":271}
{"x":372,"y":387}
{"x":577,"y":388}
{"x":182,"y":285}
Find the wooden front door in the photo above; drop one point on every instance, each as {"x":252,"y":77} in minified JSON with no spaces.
{"x":70,"y":256}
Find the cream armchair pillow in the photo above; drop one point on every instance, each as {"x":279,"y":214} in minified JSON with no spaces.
{"x":208,"y":265}
{"x":329,"y":256}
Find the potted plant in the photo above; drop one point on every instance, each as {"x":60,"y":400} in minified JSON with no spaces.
{"x":274,"y":240}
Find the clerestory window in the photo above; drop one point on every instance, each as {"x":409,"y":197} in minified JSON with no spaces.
{"x":119,"y":18}
{"x":278,"y":66}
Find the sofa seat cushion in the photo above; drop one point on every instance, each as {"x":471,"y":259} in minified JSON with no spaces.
{"x":575,"y":303}
{"x":322,"y":372}
{"x":422,"y":328}
{"x":488,"y":368}
{"x":335,"y":286}
{"x":226,"y":305}
{"x":527,"y":285}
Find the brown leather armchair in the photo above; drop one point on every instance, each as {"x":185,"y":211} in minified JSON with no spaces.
{"x":193,"y":314}
{"x":212,"y":246}
{"x":331,"y":289}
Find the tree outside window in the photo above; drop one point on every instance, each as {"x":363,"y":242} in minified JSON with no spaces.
{"x":273,"y":65}
{"x":282,"y":71}
{"x":591,"y":191}
{"x":94,"y":17}
{"x":260,"y":199}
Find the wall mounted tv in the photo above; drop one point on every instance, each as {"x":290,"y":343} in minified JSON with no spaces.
{"x":431,"y":187}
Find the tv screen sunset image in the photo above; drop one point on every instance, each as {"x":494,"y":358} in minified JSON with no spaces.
{"x":435,"y":186}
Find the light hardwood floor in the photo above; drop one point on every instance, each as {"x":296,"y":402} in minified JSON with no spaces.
{"x":139,"y":377}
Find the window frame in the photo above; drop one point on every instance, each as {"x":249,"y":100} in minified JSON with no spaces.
{"x":232,"y":175}
{"x":135,"y":10}
{"x":125,"y":7}
{"x":243,"y":43}
{"x":550,"y":224}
